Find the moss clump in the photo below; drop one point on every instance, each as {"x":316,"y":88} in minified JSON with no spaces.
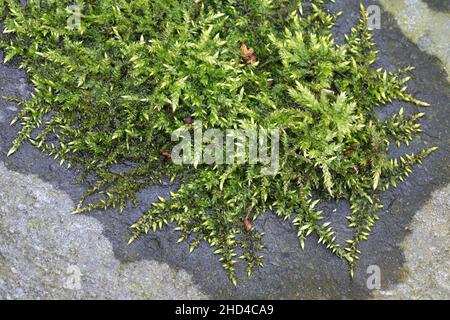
{"x":111,"y":92}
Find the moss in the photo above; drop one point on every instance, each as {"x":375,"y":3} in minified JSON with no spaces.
{"x":109,"y":94}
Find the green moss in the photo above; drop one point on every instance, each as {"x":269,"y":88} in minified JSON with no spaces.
{"x":113,"y":91}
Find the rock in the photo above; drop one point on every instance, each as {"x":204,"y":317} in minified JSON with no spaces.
{"x":55,"y":255}
{"x":427,"y":253}
{"x":51,"y":250}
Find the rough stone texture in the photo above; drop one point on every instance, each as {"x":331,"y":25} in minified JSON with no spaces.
{"x":43,"y":247}
{"x":414,"y":17}
{"x":427,"y":252}
{"x":289,"y":272}
{"x":427,"y":248}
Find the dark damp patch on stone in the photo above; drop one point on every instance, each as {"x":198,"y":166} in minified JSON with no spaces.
{"x":290,"y":273}
{"x":438,"y":5}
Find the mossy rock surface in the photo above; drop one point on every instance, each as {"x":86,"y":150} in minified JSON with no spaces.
{"x":289,"y":272}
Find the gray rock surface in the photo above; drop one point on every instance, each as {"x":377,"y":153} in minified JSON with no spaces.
{"x":414,"y":17}
{"x":156,"y":267}
{"x":427,"y":252}
{"x":46,"y":253}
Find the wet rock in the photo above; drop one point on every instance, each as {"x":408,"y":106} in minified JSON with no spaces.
{"x":427,"y":252}
{"x":54,"y":255}
{"x":56,"y":242}
{"x":428,"y":28}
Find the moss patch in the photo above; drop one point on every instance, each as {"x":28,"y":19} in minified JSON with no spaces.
{"x":111,"y":89}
